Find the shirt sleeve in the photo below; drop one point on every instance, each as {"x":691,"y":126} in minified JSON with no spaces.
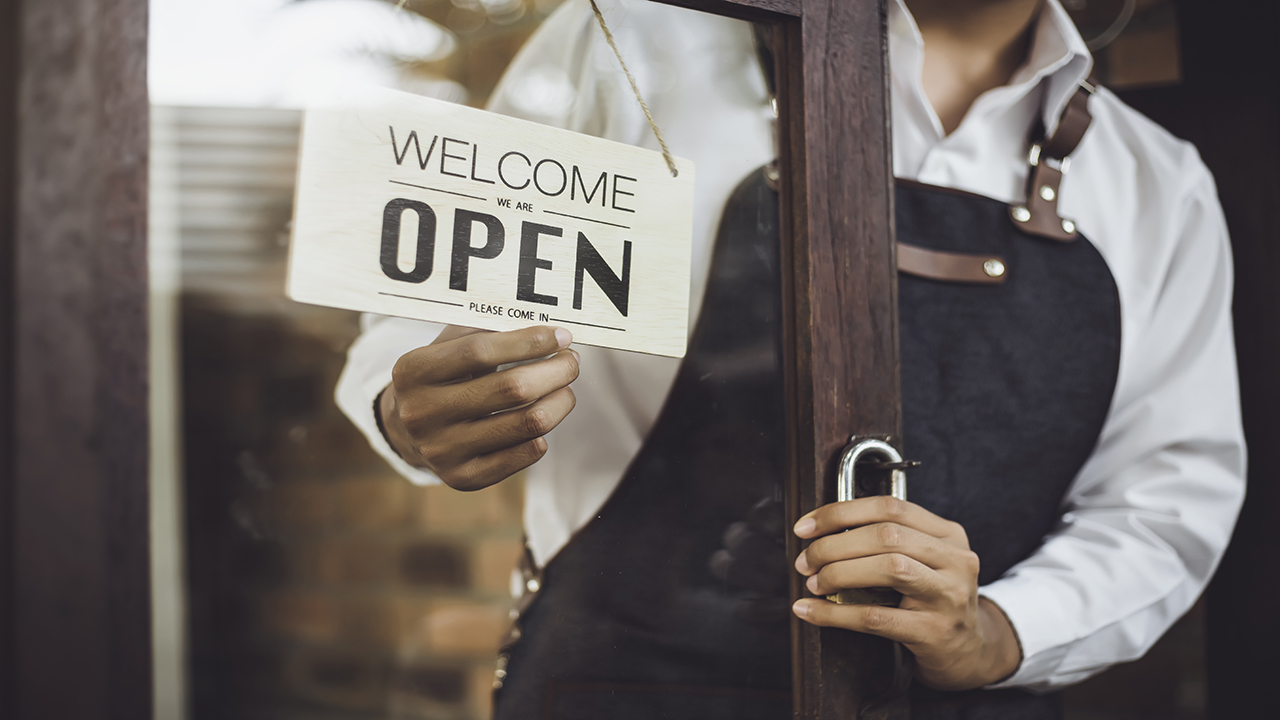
{"x":1147,"y":519}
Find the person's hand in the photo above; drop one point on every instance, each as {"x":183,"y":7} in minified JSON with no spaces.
{"x":754,"y":558}
{"x":449,"y":410}
{"x":959,"y":640}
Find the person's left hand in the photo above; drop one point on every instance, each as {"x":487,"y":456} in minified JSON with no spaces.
{"x":960,"y":640}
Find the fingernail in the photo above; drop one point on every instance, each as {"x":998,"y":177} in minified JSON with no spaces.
{"x":576,"y":356}
{"x":802,"y":565}
{"x":806,"y":526}
{"x":812,"y":584}
{"x":564,"y":337}
{"x":801,"y":609}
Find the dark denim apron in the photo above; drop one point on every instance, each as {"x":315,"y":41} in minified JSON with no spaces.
{"x":1005,"y":390}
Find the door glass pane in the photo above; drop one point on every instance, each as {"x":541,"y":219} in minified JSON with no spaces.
{"x":298,"y":574}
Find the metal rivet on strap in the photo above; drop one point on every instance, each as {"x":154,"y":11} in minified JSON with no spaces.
{"x":993,"y":268}
{"x":500,"y":672}
{"x":1068,"y":227}
{"x":1021,"y":213}
{"x":533,"y":585}
{"x":1047,"y":193}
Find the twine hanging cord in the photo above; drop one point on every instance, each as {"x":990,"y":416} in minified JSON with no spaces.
{"x":608,"y":36}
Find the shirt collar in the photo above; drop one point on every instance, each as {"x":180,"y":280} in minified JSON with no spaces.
{"x":1059,"y":58}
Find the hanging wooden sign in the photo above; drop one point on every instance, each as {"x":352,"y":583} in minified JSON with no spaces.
{"x":425,"y":209}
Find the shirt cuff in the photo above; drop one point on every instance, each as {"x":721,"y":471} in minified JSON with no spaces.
{"x":1036,"y":616}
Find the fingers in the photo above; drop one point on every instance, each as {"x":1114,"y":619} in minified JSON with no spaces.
{"x":742,"y":573}
{"x":877,"y":539}
{"x":904,"y":626}
{"x":445,"y":406}
{"x":516,"y":386}
{"x":486,"y":470}
{"x":917,"y":553}
{"x":840,"y":516}
{"x":466,"y":353}
{"x":453,"y":332}
{"x":750,"y":560}
{"x":769,"y":518}
{"x":744,"y":540}
{"x":448,"y":411}
{"x":499,"y":432}
{"x":900,"y":572}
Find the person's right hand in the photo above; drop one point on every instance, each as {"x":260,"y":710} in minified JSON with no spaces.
{"x":449,"y":410}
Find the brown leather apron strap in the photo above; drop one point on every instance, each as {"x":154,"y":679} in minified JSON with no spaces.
{"x":1072,"y":125}
{"x":949,"y":266}
{"x":1049,"y":160}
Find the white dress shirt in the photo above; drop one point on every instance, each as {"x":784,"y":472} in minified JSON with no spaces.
{"x":1146,"y":520}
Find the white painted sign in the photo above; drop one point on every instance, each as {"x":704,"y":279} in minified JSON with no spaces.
{"x":425,"y":209}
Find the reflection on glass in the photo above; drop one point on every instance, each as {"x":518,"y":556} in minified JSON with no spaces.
{"x":672,"y":601}
{"x":300,"y":576}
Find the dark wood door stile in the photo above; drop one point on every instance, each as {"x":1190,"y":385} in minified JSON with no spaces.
{"x":839,"y":295}
{"x":75,"y":586}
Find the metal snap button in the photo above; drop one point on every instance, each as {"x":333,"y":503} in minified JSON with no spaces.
{"x":993,"y":268}
{"x":1047,"y":193}
{"x":1068,"y":227}
{"x":1021,"y":214}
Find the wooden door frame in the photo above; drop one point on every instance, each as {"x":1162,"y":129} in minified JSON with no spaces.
{"x":839,"y":297}
{"x":10,"y":37}
{"x":74,"y":567}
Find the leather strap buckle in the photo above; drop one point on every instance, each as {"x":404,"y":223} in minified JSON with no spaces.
{"x":1048,"y":161}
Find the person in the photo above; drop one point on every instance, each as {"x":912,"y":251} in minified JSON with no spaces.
{"x":1083,"y":458}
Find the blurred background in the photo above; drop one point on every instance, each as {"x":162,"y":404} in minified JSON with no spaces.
{"x":295,"y":576}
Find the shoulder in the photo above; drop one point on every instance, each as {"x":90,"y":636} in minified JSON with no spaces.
{"x":1134,"y":187}
{"x":1133,"y":171}
{"x":1148,"y":202}
{"x":1132,"y":142}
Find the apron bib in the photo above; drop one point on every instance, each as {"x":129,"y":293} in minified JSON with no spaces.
{"x":1005,"y":390}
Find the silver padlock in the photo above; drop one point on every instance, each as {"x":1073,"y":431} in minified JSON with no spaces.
{"x":861,"y":450}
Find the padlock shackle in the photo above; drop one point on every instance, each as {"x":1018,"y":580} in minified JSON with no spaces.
{"x":846,"y":485}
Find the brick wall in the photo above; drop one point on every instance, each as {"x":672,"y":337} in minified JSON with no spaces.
{"x":322,"y":584}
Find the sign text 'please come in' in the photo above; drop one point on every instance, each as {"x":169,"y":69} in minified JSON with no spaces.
{"x":424,"y":209}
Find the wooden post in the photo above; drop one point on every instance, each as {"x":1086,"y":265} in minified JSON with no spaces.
{"x":839,"y":295}
{"x":76,"y":641}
